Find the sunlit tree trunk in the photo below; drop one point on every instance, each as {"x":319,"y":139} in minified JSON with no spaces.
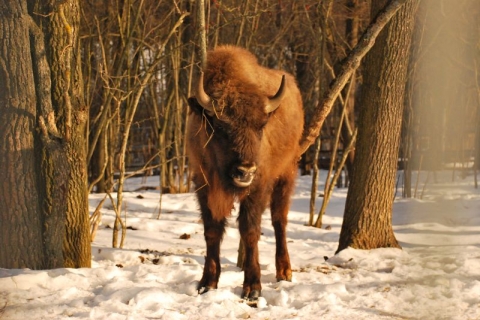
{"x":44,"y":203}
{"x":21,"y":227}
{"x":368,"y":211}
{"x":61,"y":39}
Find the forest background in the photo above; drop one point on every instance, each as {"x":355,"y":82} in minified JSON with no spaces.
{"x":121,"y":72}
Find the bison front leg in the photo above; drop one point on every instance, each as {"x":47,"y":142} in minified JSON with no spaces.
{"x":213,"y":232}
{"x":214,"y":221}
{"x":279,"y":209}
{"x":249,"y":225}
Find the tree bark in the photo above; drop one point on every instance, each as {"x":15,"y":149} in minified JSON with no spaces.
{"x":36,"y":185}
{"x":61,"y":36}
{"x":367,"y":220}
{"x":21,"y":220}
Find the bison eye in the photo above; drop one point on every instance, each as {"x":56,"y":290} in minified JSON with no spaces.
{"x":260,"y":133}
{"x":262,"y":127}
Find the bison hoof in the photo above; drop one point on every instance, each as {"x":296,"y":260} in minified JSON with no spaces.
{"x":202,"y":290}
{"x":285,"y":275}
{"x":251,"y":296}
{"x":289,"y":279}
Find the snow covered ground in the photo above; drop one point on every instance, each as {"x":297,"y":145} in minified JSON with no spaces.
{"x":435,"y":276}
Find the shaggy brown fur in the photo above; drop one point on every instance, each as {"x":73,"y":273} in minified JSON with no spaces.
{"x":240,"y":133}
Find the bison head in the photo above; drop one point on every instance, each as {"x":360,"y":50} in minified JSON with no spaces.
{"x":237,"y":117}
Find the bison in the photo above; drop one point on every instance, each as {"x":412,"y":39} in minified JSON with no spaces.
{"x":243,"y":138}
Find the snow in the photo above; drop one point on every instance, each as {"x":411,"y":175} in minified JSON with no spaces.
{"x":435,"y":276}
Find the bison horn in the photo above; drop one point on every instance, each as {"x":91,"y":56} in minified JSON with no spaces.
{"x":274,"y":102}
{"x":202,"y":97}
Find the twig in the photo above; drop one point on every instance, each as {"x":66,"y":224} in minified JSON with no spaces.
{"x":328,"y":192}
{"x":3,"y":308}
{"x":96,"y":218}
{"x":418,"y":175}
{"x":425,"y":184}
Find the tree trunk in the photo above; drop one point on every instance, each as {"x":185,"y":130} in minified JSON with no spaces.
{"x":61,"y":37}
{"x":35,"y":158}
{"x":368,"y":211}
{"x":21,"y":219}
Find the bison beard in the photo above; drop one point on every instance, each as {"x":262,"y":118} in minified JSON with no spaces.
{"x":243,"y":142}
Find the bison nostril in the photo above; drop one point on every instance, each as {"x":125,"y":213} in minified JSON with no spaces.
{"x":243,"y":175}
{"x":247,"y":169}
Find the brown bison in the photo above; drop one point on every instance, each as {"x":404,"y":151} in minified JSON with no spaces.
{"x":243,"y":136}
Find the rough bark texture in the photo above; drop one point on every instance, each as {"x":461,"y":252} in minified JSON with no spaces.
{"x":35,"y":159}
{"x":61,"y":35}
{"x":368,"y":211}
{"x":19,"y":198}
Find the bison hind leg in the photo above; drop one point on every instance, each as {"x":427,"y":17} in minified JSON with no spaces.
{"x":279,"y":207}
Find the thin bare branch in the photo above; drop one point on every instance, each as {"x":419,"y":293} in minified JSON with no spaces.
{"x":349,"y":65}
